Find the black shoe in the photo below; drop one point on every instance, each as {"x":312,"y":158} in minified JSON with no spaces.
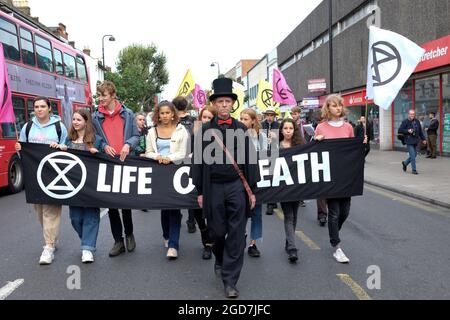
{"x":404,"y":166}
{"x":269,"y":211}
{"x":231,"y":292}
{"x":428,"y":156}
{"x":415,"y":172}
{"x":117,"y":249}
{"x":253,"y":251}
{"x":302,"y":204}
{"x":218,"y":270}
{"x":191,"y":226}
{"x":433,"y":157}
{"x":144,"y":210}
{"x":131,"y":243}
{"x":292,"y":256}
{"x":207,"y":253}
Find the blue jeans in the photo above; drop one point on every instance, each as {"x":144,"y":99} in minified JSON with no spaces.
{"x":86,"y":222}
{"x":171,"y":225}
{"x":412,"y":150}
{"x":256,"y":224}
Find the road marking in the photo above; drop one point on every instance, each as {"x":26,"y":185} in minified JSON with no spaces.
{"x":356,"y":288}
{"x":408,"y":201}
{"x":307,"y":240}
{"x":279,"y":213}
{"x":9,"y":288}
{"x":103,"y":213}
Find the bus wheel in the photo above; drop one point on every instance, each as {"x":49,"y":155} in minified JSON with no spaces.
{"x":15,"y":175}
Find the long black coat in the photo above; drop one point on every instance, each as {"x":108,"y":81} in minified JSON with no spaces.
{"x":201,"y":173}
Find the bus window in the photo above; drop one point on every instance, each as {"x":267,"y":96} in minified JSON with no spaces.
{"x":30,"y":109}
{"x":54,"y":106}
{"x":81,"y":69}
{"x":8,"y":37}
{"x":44,"y":54}
{"x":19,"y":111}
{"x":58,"y":62}
{"x":26,"y":42}
{"x":69,"y":63}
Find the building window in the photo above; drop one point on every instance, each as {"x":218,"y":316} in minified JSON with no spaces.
{"x":26,"y":42}
{"x":44,"y":54}
{"x":427,"y":100}
{"x":402,"y":104}
{"x":445,"y":113}
{"x":69,"y":64}
{"x":8,"y":37}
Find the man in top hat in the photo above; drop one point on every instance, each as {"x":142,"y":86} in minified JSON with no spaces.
{"x":267,"y":126}
{"x":225,"y":201}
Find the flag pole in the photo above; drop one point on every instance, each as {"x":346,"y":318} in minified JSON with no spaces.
{"x":366,"y":114}
{"x":17,"y":138}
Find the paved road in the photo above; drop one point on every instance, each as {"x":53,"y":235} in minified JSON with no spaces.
{"x":406,"y":239}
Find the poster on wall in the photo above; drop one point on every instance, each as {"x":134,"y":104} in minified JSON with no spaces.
{"x":446,"y":133}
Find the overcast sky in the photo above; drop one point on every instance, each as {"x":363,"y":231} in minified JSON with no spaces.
{"x":192,"y":34}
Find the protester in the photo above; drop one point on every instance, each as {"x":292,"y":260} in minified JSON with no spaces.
{"x":85,"y":221}
{"x":412,"y":130}
{"x":432,"y":130}
{"x":334,"y":127}
{"x":143,"y":130}
{"x":115,"y":124}
{"x":267,"y":126}
{"x":290,"y":137}
{"x":362,"y":129}
{"x":166,"y":143}
{"x":296,"y":112}
{"x":249,"y":118}
{"x":225,"y":196}
{"x":188,"y":121}
{"x":45,"y":128}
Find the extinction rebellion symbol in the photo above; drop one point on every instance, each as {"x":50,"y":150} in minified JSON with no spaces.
{"x":387,"y":63}
{"x":63,"y":164}
{"x":185,"y":89}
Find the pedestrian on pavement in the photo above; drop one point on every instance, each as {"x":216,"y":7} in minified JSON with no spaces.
{"x":205,"y":116}
{"x":45,"y":128}
{"x":225,"y":191}
{"x":267,"y":126}
{"x":361,"y":132}
{"x":259,"y":139}
{"x":85,"y":221}
{"x":334,"y":127}
{"x":296,"y":116}
{"x":188,"y":121}
{"x":412,"y":130}
{"x":115,"y":124}
{"x":166,"y":143}
{"x":290,"y":137}
{"x":432,"y":135}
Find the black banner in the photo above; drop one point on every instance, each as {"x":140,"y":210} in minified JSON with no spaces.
{"x":327,"y":169}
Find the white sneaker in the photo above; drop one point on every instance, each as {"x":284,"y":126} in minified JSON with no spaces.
{"x":87,"y":256}
{"x":172,"y":253}
{"x":47,"y":255}
{"x":166,"y":243}
{"x":340,"y":256}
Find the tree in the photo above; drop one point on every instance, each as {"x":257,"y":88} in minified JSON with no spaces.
{"x":141,"y":74}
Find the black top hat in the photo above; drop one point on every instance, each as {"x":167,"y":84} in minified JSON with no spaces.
{"x":223,"y":87}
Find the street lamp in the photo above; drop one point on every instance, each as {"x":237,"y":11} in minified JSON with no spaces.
{"x":111,"y":38}
{"x":218,"y":68}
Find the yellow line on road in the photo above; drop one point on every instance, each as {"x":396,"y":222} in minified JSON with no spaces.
{"x":408,"y":201}
{"x":356,"y":288}
{"x":311,"y":244}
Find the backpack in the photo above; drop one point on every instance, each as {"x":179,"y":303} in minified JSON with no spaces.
{"x":188,"y":123}
{"x":56,"y":124}
{"x":401,"y":137}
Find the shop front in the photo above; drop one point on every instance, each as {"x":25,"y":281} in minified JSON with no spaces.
{"x":428,"y":90}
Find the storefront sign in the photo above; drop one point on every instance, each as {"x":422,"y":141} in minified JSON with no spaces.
{"x":355,"y":99}
{"x":437,"y":54}
{"x":317,"y":85}
{"x":311,"y":103}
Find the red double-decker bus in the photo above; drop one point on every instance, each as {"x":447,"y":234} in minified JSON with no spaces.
{"x":38,"y":64}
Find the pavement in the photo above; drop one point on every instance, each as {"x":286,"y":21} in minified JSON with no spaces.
{"x":384,"y":169}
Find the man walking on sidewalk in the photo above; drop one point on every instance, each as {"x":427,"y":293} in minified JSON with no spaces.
{"x":412,"y":130}
{"x":432,"y":135}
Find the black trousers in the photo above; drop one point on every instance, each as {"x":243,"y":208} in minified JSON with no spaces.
{"x":338,"y":211}
{"x":116,"y":223}
{"x":197,"y":214}
{"x":227,"y":228}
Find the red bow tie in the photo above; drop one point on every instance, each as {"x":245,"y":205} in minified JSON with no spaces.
{"x":228,"y":122}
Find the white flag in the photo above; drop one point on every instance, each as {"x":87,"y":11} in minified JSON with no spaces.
{"x":392,"y":60}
